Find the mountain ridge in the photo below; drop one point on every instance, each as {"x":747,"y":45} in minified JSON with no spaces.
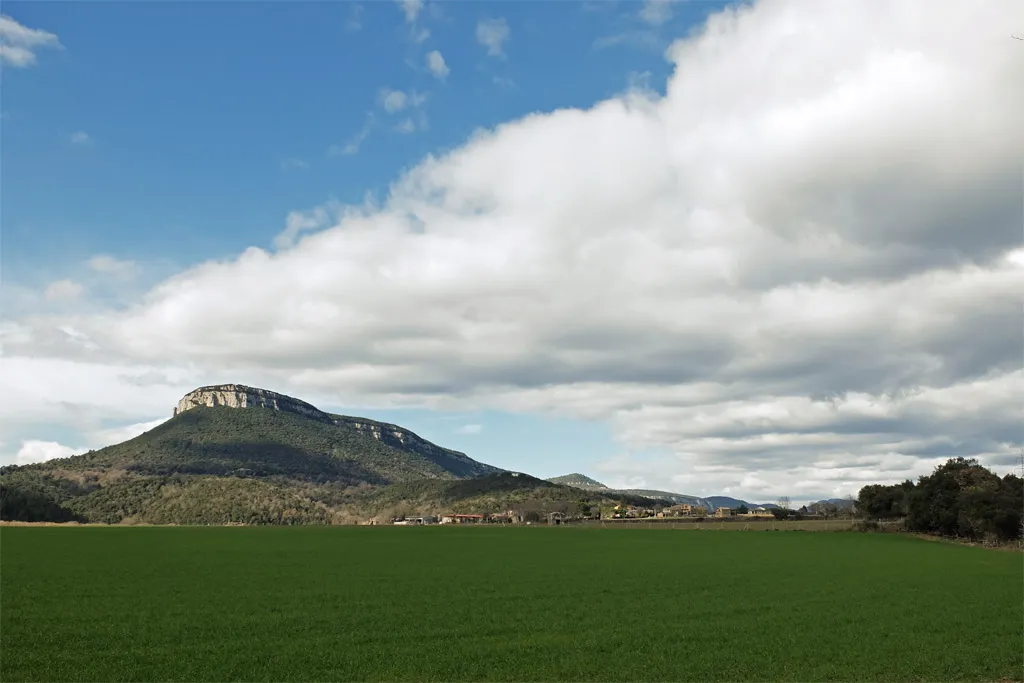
{"x":711,"y":503}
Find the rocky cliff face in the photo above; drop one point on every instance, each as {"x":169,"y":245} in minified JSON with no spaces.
{"x":393,"y":435}
{"x":240,"y":396}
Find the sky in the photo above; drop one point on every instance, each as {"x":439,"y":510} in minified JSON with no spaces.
{"x":756,"y":249}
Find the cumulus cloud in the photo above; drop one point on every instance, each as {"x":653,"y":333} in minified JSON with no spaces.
{"x":493,"y":34}
{"x":18,"y":43}
{"x":40,"y":451}
{"x":62,"y":290}
{"x":35,"y":450}
{"x":437,"y":65}
{"x":797,"y":272}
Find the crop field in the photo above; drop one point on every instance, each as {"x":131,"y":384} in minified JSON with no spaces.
{"x":492,"y":604}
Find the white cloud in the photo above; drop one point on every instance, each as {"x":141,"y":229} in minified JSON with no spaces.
{"x":80,"y":138}
{"x":18,"y":43}
{"x":419,"y":35}
{"x":470,"y":429}
{"x":354,"y":143}
{"x":437,"y":66}
{"x":639,"y":80}
{"x":109,"y":265}
{"x":411,"y":9}
{"x":393,"y":100}
{"x":40,"y":451}
{"x":299,"y":222}
{"x":412,"y":124}
{"x":63,"y":290}
{"x":656,"y":12}
{"x":397,"y":100}
{"x":493,"y":34}
{"x":36,"y":450}
{"x":796,"y":272}
{"x":645,"y":39}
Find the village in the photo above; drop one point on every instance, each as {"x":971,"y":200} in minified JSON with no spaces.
{"x":619,"y":512}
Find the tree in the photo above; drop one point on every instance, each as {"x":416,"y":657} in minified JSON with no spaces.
{"x":741,"y":510}
{"x":960,"y":498}
{"x":784,"y":502}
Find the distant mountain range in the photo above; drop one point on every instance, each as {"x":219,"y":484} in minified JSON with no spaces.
{"x":584,"y":482}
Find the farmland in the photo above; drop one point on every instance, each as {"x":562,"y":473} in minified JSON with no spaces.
{"x":365,"y":603}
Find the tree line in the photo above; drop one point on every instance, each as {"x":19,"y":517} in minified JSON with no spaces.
{"x":961,"y":498}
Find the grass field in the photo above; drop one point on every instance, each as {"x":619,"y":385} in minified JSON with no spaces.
{"x":274,"y":604}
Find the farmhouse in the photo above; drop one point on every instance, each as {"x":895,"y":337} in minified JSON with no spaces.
{"x":682,"y":510}
{"x":723,"y":512}
{"x":410,"y":521}
{"x":461,"y":519}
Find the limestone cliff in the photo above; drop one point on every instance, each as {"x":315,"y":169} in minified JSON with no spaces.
{"x":240,"y":396}
{"x":401,"y":440}
{"x":398,"y":437}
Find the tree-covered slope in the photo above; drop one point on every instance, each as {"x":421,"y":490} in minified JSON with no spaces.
{"x":262,"y":442}
{"x":214,"y":465}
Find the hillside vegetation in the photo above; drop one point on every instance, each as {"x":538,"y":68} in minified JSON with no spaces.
{"x":961,"y":498}
{"x":226,"y":465}
{"x":221,"y":464}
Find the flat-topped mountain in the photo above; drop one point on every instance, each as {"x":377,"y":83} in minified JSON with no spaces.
{"x":241,"y":396}
{"x":233,"y":441}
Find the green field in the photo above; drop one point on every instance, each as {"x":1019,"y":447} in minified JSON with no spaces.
{"x":494,"y":604}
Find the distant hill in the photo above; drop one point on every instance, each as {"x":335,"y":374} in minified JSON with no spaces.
{"x":579,"y":481}
{"x":674,"y":498}
{"x":725,"y":501}
{"x":231,"y":451}
{"x":584,"y":482}
{"x":491,"y":493}
{"x":841,"y":503}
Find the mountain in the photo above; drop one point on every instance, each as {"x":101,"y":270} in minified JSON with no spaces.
{"x":491,"y":493}
{"x":579,"y":481}
{"x":585,"y":483}
{"x":229,"y":451}
{"x":841,"y":503}
{"x":725,"y":501}
{"x":675,"y":498}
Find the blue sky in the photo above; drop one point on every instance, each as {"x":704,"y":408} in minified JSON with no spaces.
{"x":174,"y":133}
{"x":694,"y":246}
{"x":208,"y":124}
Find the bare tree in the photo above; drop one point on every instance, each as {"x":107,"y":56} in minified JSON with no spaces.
{"x":784,"y":502}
